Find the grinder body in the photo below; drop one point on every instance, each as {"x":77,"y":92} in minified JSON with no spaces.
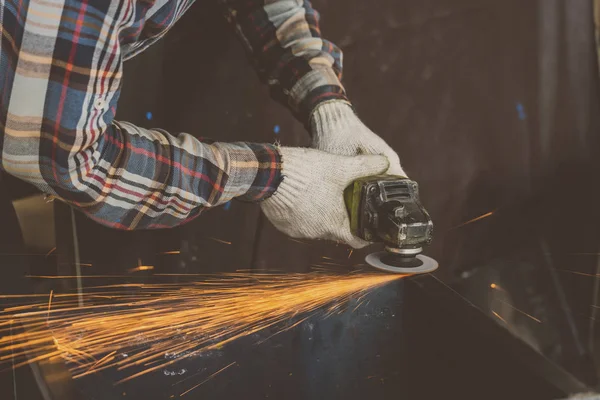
{"x":387,"y":208}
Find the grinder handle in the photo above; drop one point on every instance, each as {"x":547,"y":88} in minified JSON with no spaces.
{"x":353,"y":198}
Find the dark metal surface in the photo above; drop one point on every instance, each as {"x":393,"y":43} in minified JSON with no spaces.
{"x":491,"y":360}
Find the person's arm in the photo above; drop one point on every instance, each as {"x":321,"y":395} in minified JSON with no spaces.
{"x":304,"y":72}
{"x":283,"y":39}
{"x":59,"y":88}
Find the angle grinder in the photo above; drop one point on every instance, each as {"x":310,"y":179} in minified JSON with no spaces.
{"x":386,"y":208}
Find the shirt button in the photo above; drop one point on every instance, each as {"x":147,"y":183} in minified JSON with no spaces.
{"x":99,"y":104}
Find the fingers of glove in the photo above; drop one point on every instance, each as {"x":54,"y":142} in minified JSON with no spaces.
{"x":395,"y":167}
{"x":355,"y":242}
{"x":359,"y":166}
{"x":343,"y":234}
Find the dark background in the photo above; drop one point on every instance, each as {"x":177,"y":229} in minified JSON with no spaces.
{"x":493,"y":107}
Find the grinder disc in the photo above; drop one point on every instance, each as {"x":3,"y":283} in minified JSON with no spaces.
{"x":390,"y":262}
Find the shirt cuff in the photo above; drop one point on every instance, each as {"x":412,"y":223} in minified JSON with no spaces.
{"x":266,"y":175}
{"x":316,"y":87}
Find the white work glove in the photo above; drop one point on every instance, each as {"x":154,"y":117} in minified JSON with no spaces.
{"x":336,"y":129}
{"x":309,"y":202}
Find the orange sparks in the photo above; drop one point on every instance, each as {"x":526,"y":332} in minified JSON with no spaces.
{"x":350,"y":254}
{"x":333,"y":264}
{"x":297,"y":241}
{"x":50,"y":299}
{"x":170,"y":252}
{"x":141,"y":268}
{"x":578,"y":273}
{"x":51,"y":251}
{"x":146,"y":327}
{"x":520,"y":311}
{"x":499,"y":317}
{"x":103,"y":360}
{"x":74,"y":276}
{"x":219,"y":240}
{"x":489,"y":214}
{"x":497,"y":287}
{"x":207,"y":379}
{"x":49,"y":305}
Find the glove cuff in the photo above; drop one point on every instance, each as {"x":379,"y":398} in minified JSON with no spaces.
{"x":296,"y":171}
{"x":334,"y":116}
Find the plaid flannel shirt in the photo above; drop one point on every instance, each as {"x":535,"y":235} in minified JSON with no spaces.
{"x":61,"y":64}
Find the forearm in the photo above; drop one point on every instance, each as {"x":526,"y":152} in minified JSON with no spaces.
{"x":133,"y":178}
{"x":284,"y":40}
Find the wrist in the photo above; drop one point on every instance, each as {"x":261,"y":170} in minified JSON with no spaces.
{"x":318,"y":86}
{"x":296,"y":176}
{"x":254,"y":171}
{"x":333,"y":116}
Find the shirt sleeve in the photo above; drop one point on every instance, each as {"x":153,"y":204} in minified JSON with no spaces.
{"x":283,"y":39}
{"x":59,"y":86}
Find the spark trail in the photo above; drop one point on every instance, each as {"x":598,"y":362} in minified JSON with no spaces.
{"x":147,"y":321}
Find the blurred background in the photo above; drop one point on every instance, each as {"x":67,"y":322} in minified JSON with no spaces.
{"x":494,"y":108}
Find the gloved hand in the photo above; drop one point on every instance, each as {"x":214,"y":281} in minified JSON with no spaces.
{"x":336,"y":129}
{"x":309,"y":202}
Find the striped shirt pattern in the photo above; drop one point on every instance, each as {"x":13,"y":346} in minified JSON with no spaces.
{"x":61,"y":66}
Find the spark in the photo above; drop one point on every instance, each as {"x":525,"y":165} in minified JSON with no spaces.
{"x":219,"y":240}
{"x":520,"y":311}
{"x":170,"y":252}
{"x":578,"y":273}
{"x":297,"y":241}
{"x":497,"y":287}
{"x":103,"y":360}
{"x":454,"y":291}
{"x":22,"y":254}
{"x":51,"y":251}
{"x":489,"y":214}
{"x":333,"y":264}
{"x":207,"y":379}
{"x":49,"y":305}
{"x":141,"y":268}
{"x":147,"y":321}
{"x":74,"y":276}
{"x":189,"y":377}
{"x":350,"y":254}
{"x":499,"y":317}
{"x":357,"y":306}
